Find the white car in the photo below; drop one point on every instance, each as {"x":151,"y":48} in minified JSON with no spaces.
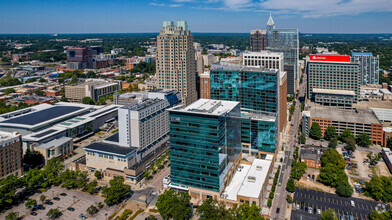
{"x":310,"y":210}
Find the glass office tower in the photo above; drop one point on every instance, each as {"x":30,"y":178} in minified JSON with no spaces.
{"x":205,"y":143}
{"x":257,"y":88}
{"x":369,"y":67}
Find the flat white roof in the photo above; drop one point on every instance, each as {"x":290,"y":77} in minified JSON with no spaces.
{"x":333,"y":91}
{"x":387,"y":129}
{"x":248,"y":180}
{"x":208,"y":106}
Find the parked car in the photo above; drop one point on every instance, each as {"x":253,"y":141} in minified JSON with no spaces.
{"x":352,"y":203}
{"x":48,"y":202}
{"x":310,"y":210}
{"x":56,"y":198}
{"x":33,"y":213}
{"x":318,"y":211}
{"x":356,"y":173}
{"x":297,"y":206}
{"x":349,"y":168}
{"x":353,"y":166}
{"x":371,"y":166}
{"x":370,"y":175}
{"x":70,"y":209}
{"x":63,"y":194}
{"x":362,"y":182}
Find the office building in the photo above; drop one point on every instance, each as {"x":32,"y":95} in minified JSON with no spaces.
{"x":369,"y":67}
{"x":79,"y":58}
{"x":267,"y":59}
{"x":204,"y":145}
{"x":60,"y":147}
{"x":11,"y":154}
{"x":332,"y":80}
{"x":172,"y":96}
{"x":256,"y":88}
{"x":287,"y":42}
{"x":142,"y":137}
{"x":205,"y":86}
{"x":387,"y":156}
{"x":357,"y":120}
{"x":93,"y":89}
{"x":175,"y":62}
{"x":258,"y":40}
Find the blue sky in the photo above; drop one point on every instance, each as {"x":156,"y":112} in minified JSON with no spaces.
{"x":235,"y":16}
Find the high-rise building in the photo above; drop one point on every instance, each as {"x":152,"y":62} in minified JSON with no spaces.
{"x":267,"y":59}
{"x":175,"y":61}
{"x":79,"y":58}
{"x":369,"y":67}
{"x":333,"y":80}
{"x":205,"y":145}
{"x":11,"y":154}
{"x":286,"y":41}
{"x":258,"y":40}
{"x":205,"y":86}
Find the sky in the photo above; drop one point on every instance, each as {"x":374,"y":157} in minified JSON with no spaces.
{"x":225,"y":16}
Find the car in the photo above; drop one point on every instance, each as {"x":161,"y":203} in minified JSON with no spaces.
{"x":310,"y":210}
{"x":63,"y":194}
{"x":41,"y":207}
{"x":362,"y":182}
{"x":349,"y":168}
{"x":33,"y":213}
{"x":352,"y":203}
{"x":277,"y":210}
{"x":48,"y":202}
{"x":322,"y":140}
{"x":318,"y":211}
{"x":356,"y":173}
{"x":371,"y":166}
{"x":354,"y":166}
{"x":340,"y":143}
{"x":352,"y":156}
{"x":56,"y":198}
{"x":297,"y":206}
{"x":81,"y":216}
{"x":365,"y":162}
{"x":70,"y":209}
{"x":342,"y":217}
{"x":370,"y":175}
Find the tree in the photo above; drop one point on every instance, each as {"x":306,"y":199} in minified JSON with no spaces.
{"x":269,"y":203}
{"x":290,"y":185}
{"x":8,"y":187}
{"x":344,"y":189}
{"x":116,"y":192}
{"x":63,"y":99}
{"x":92,"y":210}
{"x":211,"y":209}
{"x":363,"y":140}
{"x":289,"y":198}
{"x":331,"y":175}
{"x":315,"y":131}
{"x":91,"y":74}
{"x":333,"y":157}
{"x":30,"y":203}
{"x":12,"y":216}
{"x":39,"y":92}
{"x":297,"y":170}
{"x":378,"y":215}
{"x":88,"y":101}
{"x":302,"y":138}
{"x":91,"y":187}
{"x":42,"y":80}
{"x":328,"y":214}
{"x":333,"y":143}
{"x":8,"y":91}
{"x":174,"y":205}
{"x":33,"y":159}
{"x":346,"y":134}
{"x":42,"y":198}
{"x":246,"y":211}
{"x":350,"y":144}
{"x":74,"y":179}
{"x":100,"y":205}
{"x":330,"y":133}
{"x":53,"y":213}
{"x":98,"y":174}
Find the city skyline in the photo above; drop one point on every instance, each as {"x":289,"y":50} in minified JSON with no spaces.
{"x":222,"y":16}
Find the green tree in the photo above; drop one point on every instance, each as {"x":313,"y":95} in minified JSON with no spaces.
{"x":52,"y":171}
{"x":333,"y":143}
{"x":91,"y":187}
{"x":297,"y":170}
{"x":34,"y":179}
{"x":91,"y":74}
{"x":378,"y":215}
{"x":290,"y":185}
{"x":331,"y":175}
{"x":344,"y":189}
{"x":8,"y":91}
{"x":8,"y":187}
{"x":53,"y":213}
{"x":350,"y":144}
{"x":174,"y":205}
{"x":363,"y":140}
{"x":346,"y":134}
{"x":42,"y":80}
{"x":100,"y":205}
{"x":246,"y":211}
{"x":91,"y":210}
{"x":74,"y":179}
{"x":30,"y":203}
{"x":98,"y":174}
{"x":88,"y":101}
{"x":33,"y":159}
{"x":269,"y":203}
{"x":42,"y":198}
{"x":333,"y":157}
{"x":116,"y":192}
{"x":328,"y":214}
{"x":315,"y":131}
{"x":12,"y":216}
{"x":39,"y":92}
{"x":302,"y":138}
{"x":289,"y":198}
{"x":330,"y":133}
{"x":211,"y":209}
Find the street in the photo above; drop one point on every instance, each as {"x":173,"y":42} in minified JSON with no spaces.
{"x":291,"y":139}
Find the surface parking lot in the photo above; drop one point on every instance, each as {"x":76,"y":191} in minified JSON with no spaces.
{"x":306,"y":198}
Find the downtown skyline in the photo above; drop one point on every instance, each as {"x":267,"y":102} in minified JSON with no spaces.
{"x":211,"y":16}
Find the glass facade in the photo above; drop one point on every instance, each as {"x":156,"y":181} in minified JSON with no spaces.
{"x":256,"y":90}
{"x":259,"y":132}
{"x":203,"y":147}
{"x":369,"y":67}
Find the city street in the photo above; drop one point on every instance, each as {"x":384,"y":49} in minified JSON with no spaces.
{"x":291,"y":140}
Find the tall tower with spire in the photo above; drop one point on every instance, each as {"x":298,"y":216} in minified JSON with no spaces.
{"x":270,"y":23}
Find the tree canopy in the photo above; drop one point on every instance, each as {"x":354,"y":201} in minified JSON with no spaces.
{"x":380,"y":188}
{"x":174,"y":205}
{"x":330,"y":133}
{"x":346,"y":134}
{"x":315,"y":131}
{"x":363,"y":140}
{"x":328,"y":214}
{"x":116,"y":192}
{"x":88,"y":101}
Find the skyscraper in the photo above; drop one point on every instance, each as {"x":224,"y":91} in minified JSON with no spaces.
{"x":175,"y":61}
{"x":286,"y":41}
{"x":258,"y":40}
{"x":369,"y":67}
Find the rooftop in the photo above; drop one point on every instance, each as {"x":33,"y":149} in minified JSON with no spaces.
{"x":263,"y":53}
{"x":208,"y":106}
{"x":110,"y":149}
{"x":239,"y":67}
{"x":264,"y":116}
{"x":383,"y":114}
{"x":361,"y":54}
{"x":5,"y":136}
{"x":55,"y":143}
{"x":334,"y":91}
{"x":248,"y":180}
{"x":365,"y":116}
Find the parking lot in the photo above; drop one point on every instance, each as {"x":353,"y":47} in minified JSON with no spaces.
{"x":306,"y":198}
{"x":79,"y":201}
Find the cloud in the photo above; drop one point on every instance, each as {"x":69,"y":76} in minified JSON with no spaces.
{"x":175,"y":5}
{"x":237,"y":4}
{"x":157,"y":4}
